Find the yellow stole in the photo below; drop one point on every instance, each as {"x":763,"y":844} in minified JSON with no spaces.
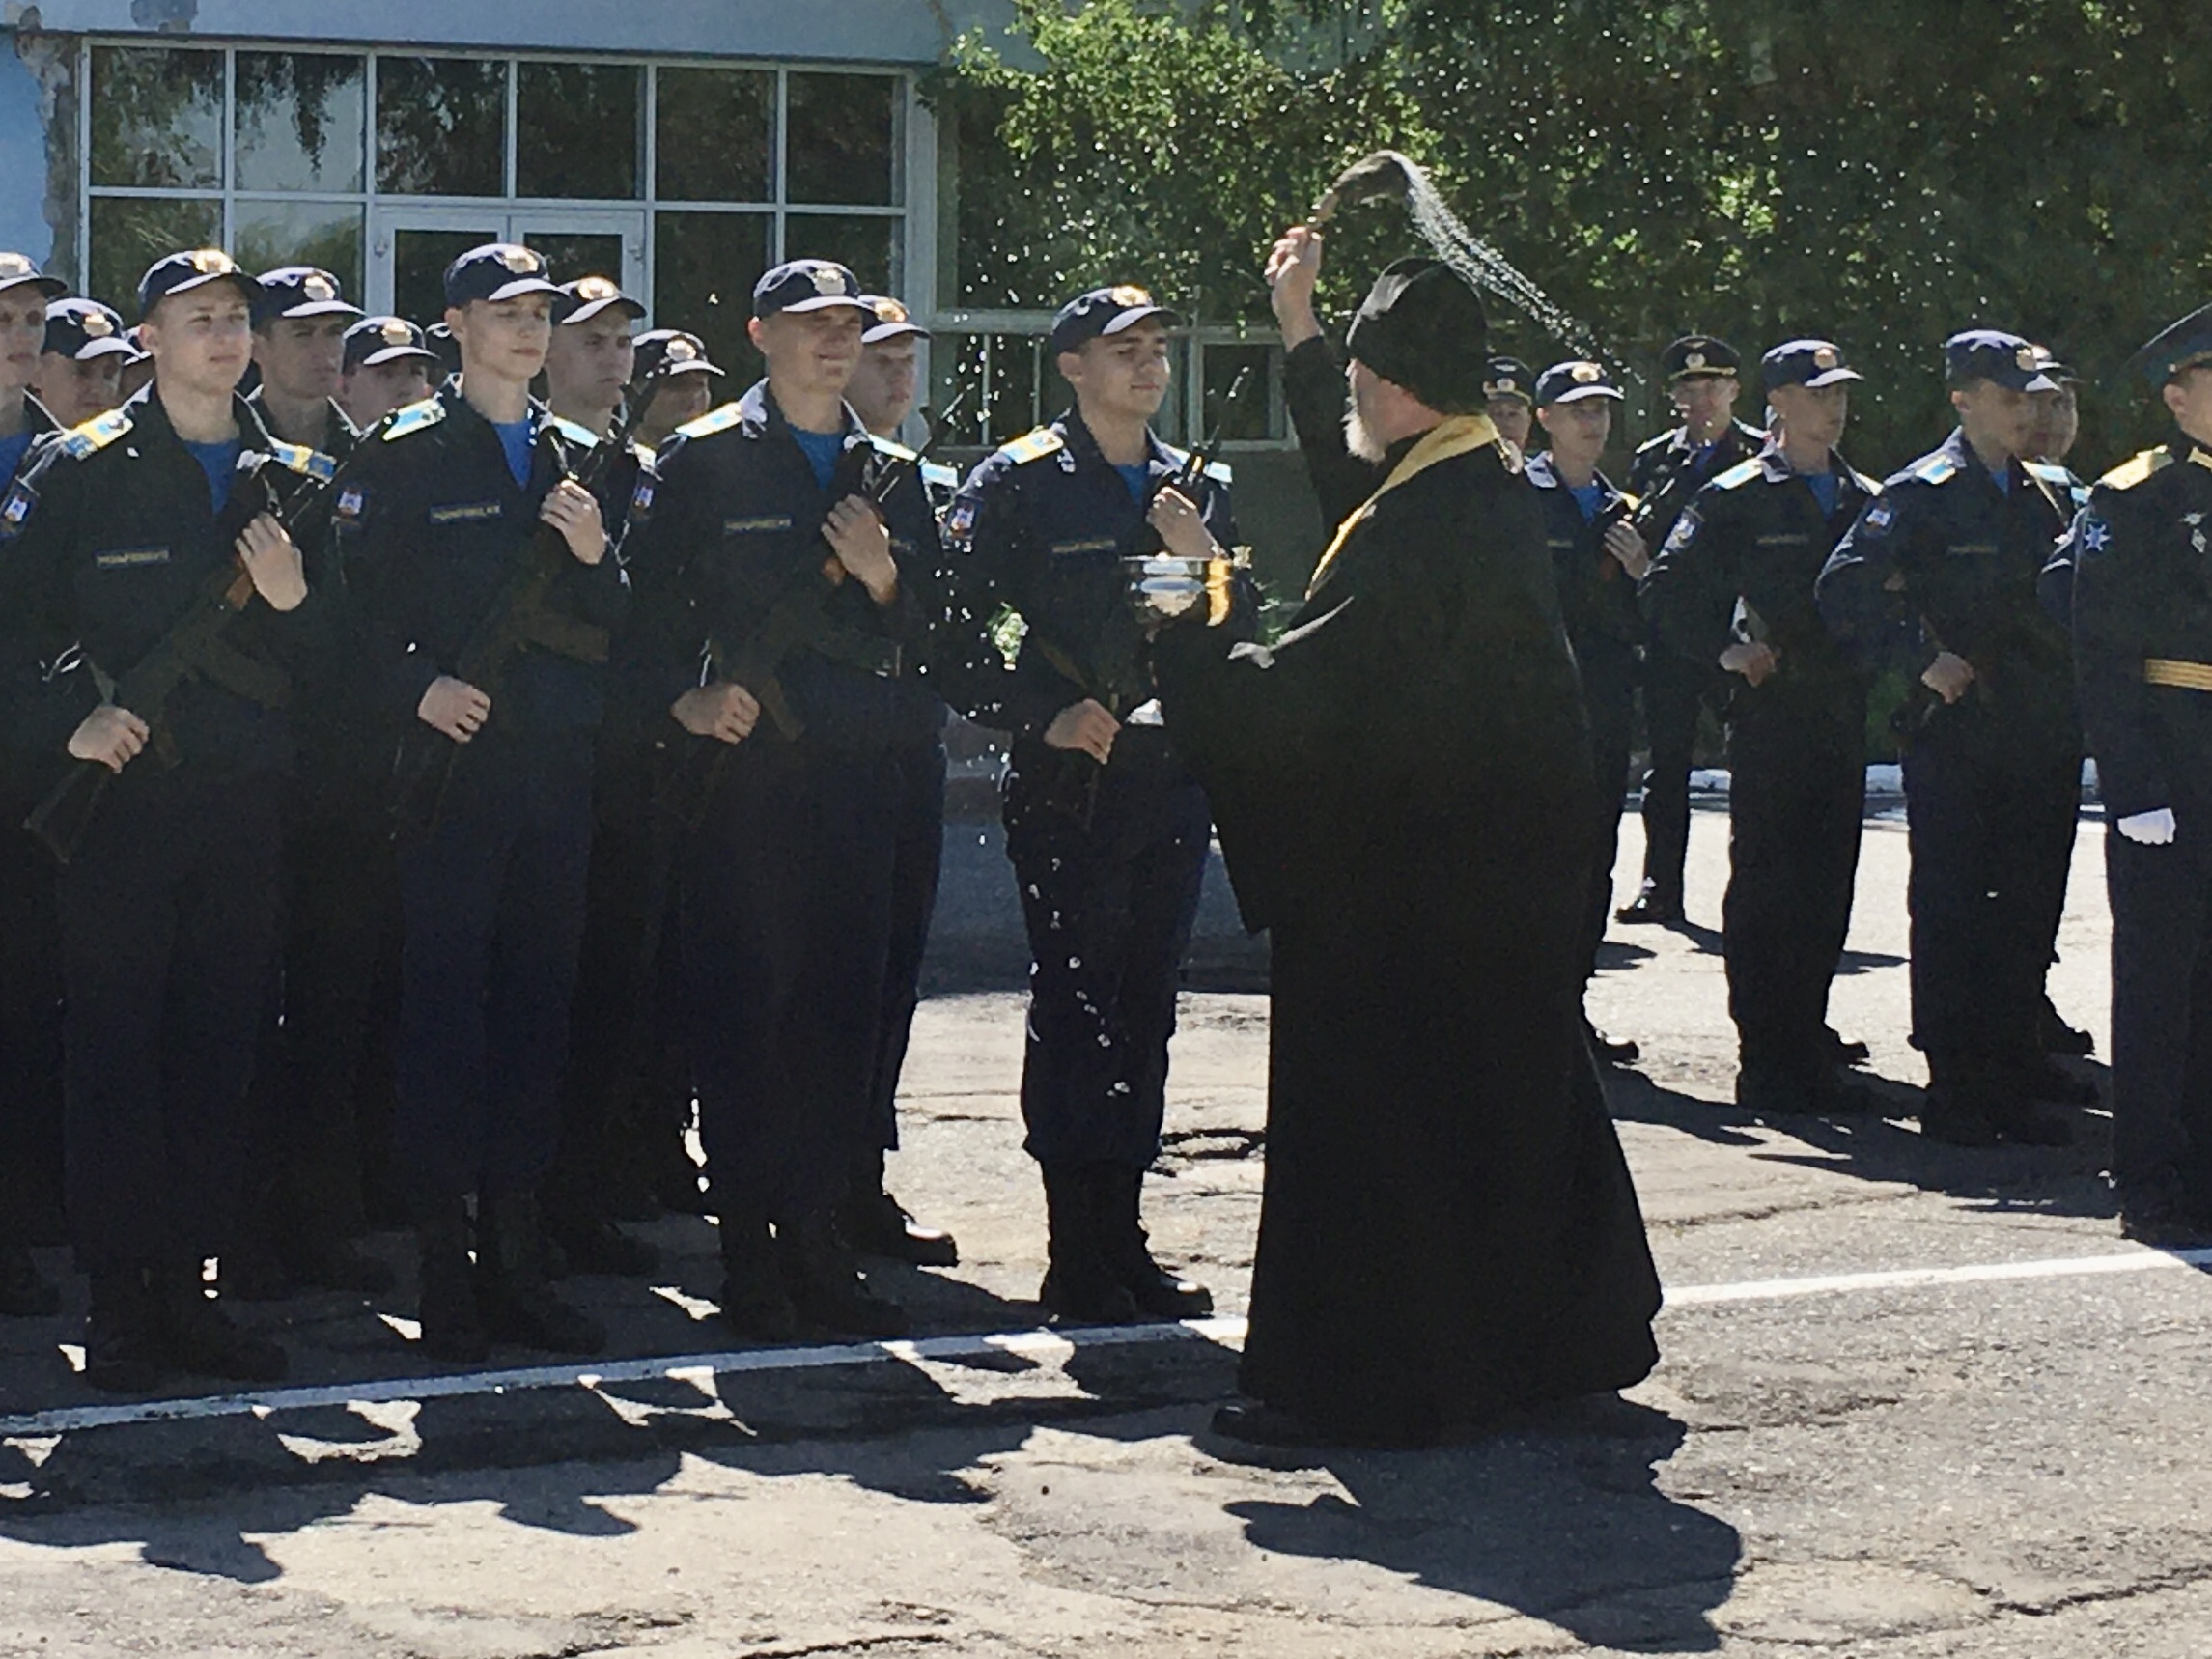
{"x":1454,"y":435}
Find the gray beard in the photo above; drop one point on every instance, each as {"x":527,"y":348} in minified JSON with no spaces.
{"x":1363,"y":443}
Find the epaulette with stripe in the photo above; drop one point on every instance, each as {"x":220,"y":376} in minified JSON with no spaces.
{"x":712,"y":422}
{"x":1218,"y":470}
{"x":413,"y":418}
{"x":2136,"y":468}
{"x":1872,"y":486}
{"x":582,"y":436}
{"x":95,"y":434}
{"x":896,"y":451}
{"x":1936,"y":469}
{"x":1738,"y":475}
{"x":307,"y":463}
{"x":937,"y":475}
{"x":1032,"y":446}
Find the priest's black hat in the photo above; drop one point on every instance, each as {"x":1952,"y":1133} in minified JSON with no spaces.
{"x":1422,"y":326}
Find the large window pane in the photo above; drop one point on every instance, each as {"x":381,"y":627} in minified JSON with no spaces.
{"x":267,"y":235}
{"x":129,"y":233}
{"x":1253,"y":416}
{"x":573,"y":255}
{"x":844,"y":140}
{"x":301,"y":121}
{"x":704,"y":268}
{"x":577,"y":131}
{"x":441,"y":127}
{"x":714,"y":136}
{"x":1002,"y":377}
{"x":419,"y":258}
{"x":157,"y":117}
{"x":864,"y":241}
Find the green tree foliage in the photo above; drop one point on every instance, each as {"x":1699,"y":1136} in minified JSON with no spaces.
{"x":1882,"y":171}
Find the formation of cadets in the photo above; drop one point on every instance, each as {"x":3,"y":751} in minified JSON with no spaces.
{"x":450,"y":782}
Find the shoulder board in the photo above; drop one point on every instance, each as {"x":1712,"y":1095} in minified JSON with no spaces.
{"x":896,"y":451}
{"x":2057,"y":477}
{"x":1634,"y":502}
{"x":95,"y":434}
{"x":1032,"y":446}
{"x":308,"y":462}
{"x":413,"y":418}
{"x":712,"y":422}
{"x":571,"y":432}
{"x":1219,"y":471}
{"x":1872,"y":486}
{"x":1739,"y":475}
{"x":1661,"y":442}
{"x":1935,"y":469}
{"x":645,"y":453}
{"x":938,"y":473}
{"x":2132,"y":471}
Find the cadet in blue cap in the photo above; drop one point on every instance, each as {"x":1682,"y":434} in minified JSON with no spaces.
{"x":686,"y":389}
{"x":1956,"y":544}
{"x":1509,"y":397}
{"x":436,"y":511}
{"x":168,"y":901}
{"x":299,"y":346}
{"x":1106,"y":831}
{"x":1599,"y":558}
{"x":80,"y":366}
{"x":1732,"y":590}
{"x":386,"y":365}
{"x":30,"y":988}
{"x":768,"y":560}
{"x":2143,"y":648}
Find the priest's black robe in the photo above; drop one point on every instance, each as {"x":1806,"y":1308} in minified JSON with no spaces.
{"x":1404,"y":791}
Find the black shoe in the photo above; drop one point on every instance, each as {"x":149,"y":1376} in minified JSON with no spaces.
{"x":451,"y":1324}
{"x":825,"y":1285}
{"x":24,"y":1293}
{"x":1264,"y":1426}
{"x":1956,"y":1119}
{"x":2038,"y":1077}
{"x":1840,"y":1092}
{"x":594,"y":1244}
{"x":755,"y":1305}
{"x":253,"y":1272}
{"x":202,"y":1339}
{"x":1080,"y":1286}
{"x":1128,"y":1250}
{"x":339,"y":1264}
{"x":876,"y":1224}
{"x":512,"y":1293}
{"x":126,"y":1347}
{"x":2024,"y":1124}
{"x":1651,"y":905}
{"x":1609,"y":1051}
{"x":2054,"y":1036}
{"x":2163,"y":1215}
{"x":1846,"y":1050}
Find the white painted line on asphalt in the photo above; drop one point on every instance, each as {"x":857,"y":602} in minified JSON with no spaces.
{"x":1043,"y":1345}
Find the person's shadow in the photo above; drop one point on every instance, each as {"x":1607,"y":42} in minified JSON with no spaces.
{"x":1557,"y":1516}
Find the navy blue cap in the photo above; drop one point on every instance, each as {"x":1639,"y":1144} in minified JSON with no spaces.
{"x":84,"y":329}
{"x":2183,"y":344}
{"x":1571,"y":381}
{"x":1809,"y":364}
{"x":588,"y":296}
{"x":1104,"y":311}
{"x":1699,"y":357}
{"x":893,"y":320}
{"x":17,"y":269}
{"x":377,"y":340}
{"x":1509,"y":377}
{"x":2057,"y":373}
{"x":681,"y":353}
{"x":302,"y":291}
{"x":806,"y":285}
{"x":1993,"y":356}
{"x":196,"y":267}
{"x":496,"y":271}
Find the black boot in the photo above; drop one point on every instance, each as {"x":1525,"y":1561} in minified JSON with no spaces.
{"x":451,"y":1325}
{"x":593,"y":1243}
{"x":24,"y":1293}
{"x":1080,"y":1286}
{"x":518,"y":1303}
{"x":2056,"y":1037}
{"x":1129,"y":1251}
{"x":755,"y":1305}
{"x":126,"y":1349}
{"x":875,"y":1223}
{"x":826,"y":1285}
{"x":201,"y":1338}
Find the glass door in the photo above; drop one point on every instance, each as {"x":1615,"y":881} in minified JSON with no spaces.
{"x":409,"y":248}
{"x":586,"y":241}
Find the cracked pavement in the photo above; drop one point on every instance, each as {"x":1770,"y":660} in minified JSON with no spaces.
{"x":1996,"y":1470}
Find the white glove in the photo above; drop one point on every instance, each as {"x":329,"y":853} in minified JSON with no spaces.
{"x":2153,"y":828}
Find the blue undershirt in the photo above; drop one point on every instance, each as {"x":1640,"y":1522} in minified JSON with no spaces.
{"x":12,"y":452}
{"x":517,"y":439}
{"x":1138,"y":478}
{"x":1589,"y":497}
{"x":1824,"y":487}
{"x":220,"y":462}
{"x":821,"y":449}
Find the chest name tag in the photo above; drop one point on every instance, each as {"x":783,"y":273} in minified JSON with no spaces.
{"x":130,"y":558}
{"x":465,"y":513}
{"x":1560,"y":544}
{"x":1094,"y":545}
{"x":1784,"y":541}
{"x":1980,"y":550}
{"x":754,"y":526}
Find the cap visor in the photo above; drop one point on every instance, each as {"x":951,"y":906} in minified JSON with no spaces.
{"x":392,"y":354}
{"x":891,"y":331}
{"x":322,"y":308}
{"x":823,"y":302}
{"x":1578,"y":393}
{"x":1833,"y":378}
{"x":1711,"y":372}
{"x":592,"y":308}
{"x":106,"y":348}
{"x":52,"y":287}
{"x":690,"y":366}
{"x":1130,"y":319}
{"x":520,"y":286}
{"x":2039,"y":383}
{"x":245,"y":285}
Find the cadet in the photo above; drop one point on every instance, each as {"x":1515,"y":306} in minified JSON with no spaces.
{"x":137,"y":370}
{"x":1109,"y":834}
{"x":588,"y":365}
{"x":767,"y":563}
{"x":1733,"y":588}
{"x":686,"y":391}
{"x":169,"y":901}
{"x":883,"y":394}
{"x":2143,"y":648}
{"x":437,"y":514}
{"x":1702,"y":380}
{"x":1509,"y":397}
{"x":1599,"y":558}
{"x":299,"y":346}
{"x":1955,"y":541}
{"x":81,"y":362}
{"x":30,"y":984}
{"x":386,"y":366}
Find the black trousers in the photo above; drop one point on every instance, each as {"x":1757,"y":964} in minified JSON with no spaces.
{"x":169,"y":928}
{"x":30,"y":1035}
{"x":1675,"y":694}
{"x":1988,"y":812}
{"x":493,"y":901}
{"x":918,"y":857}
{"x":786,"y":918}
{"x":1109,"y":904}
{"x":2161,"y":1008}
{"x":1608,"y":694}
{"x":1797,"y":796}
